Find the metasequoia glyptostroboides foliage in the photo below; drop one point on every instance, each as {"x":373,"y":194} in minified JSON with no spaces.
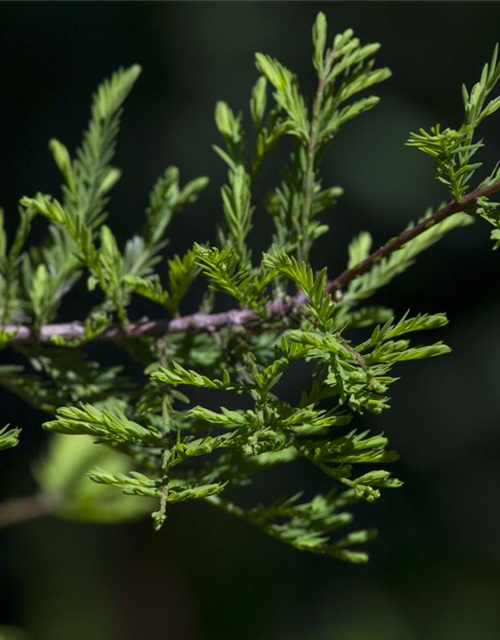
{"x":146,"y":437}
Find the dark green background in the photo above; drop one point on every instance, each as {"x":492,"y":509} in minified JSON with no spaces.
{"x":434,"y":572}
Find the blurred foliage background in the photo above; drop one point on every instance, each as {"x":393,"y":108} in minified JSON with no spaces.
{"x":434,"y":572}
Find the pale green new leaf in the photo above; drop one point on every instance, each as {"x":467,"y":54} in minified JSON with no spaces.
{"x":108,"y":425}
{"x":9,"y":437}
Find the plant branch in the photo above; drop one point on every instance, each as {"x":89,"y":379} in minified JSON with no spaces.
{"x":277,"y":309}
{"x":195,"y":323}
{"x":468,"y":201}
{"x":308,"y":187}
{"x":24,"y":509}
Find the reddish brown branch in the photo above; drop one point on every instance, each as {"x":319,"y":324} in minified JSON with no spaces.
{"x":408,"y":234}
{"x":24,"y":509}
{"x":211,"y":322}
{"x":195,"y":323}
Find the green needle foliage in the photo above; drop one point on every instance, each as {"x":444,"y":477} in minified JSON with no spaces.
{"x":179,"y":433}
{"x":9,"y":437}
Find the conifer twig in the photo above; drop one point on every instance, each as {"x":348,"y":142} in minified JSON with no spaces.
{"x":408,"y":234}
{"x":303,"y":252}
{"x":211,"y":322}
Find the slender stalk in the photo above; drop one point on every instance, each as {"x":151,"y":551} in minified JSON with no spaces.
{"x":277,"y":309}
{"x":405,"y":236}
{"x":308,"y":185}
